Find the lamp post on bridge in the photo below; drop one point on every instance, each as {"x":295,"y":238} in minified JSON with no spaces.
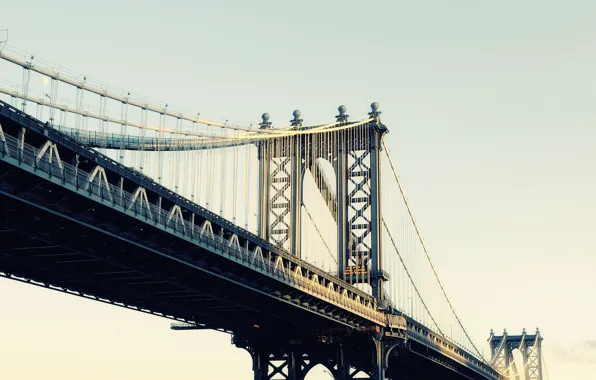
{"x":51,"y":110}
{"x":377,"y":130}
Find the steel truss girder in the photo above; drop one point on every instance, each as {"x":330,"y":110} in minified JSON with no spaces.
{"x":359,"y":224}
{"x":280,"y":183}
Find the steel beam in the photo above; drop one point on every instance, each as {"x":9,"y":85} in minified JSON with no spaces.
{"x":343,"y":233}
{"x":264,"y":186}
{"x":375,"y":206}
{"x":296,"y":196}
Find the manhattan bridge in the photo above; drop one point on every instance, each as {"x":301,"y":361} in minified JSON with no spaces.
{"x":297,"y":239}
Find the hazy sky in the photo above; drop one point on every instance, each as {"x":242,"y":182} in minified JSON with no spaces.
{"x":492,"y":113}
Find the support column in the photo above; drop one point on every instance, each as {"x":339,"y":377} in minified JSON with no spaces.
{"x":267,"y":368}
{"x":343,"y":365}
{"x":294,"y":368}
{"x":380,"y":362}
{"x":524,"y":351}
{"x":3,"y":146}
{"x":538,"y":348}
{"x":260,"y":365}
{"x":507,"y":358}
{"x":341,"y":170}
{"x":376,"y":134}
{"x":264,"y":155}
{"x":297,"y":154}
{"x":21,"y":141}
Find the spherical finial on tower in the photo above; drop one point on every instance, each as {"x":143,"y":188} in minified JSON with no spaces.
{"x":297,"y":121}
{"x":342,"y":114}
{"x":374,"y":110}
{"x":265,"y":123}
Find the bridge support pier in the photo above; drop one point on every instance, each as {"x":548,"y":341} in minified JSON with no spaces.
{"x":274,"y":359}
{"x":268,"y":366}
{"x":380,"y":361}
{"x":345,"y":357}
{"x":343,"y":366}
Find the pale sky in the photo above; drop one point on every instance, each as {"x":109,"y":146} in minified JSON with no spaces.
{"x":491,"y":108}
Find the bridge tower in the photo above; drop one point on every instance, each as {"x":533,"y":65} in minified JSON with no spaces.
{"x":353,"y":150}
{"x":358,"y":178}
{"x":530,"y":346}
{"x":281,"y":168}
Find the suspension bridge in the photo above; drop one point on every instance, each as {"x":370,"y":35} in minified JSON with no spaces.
{"x":296,"y":239}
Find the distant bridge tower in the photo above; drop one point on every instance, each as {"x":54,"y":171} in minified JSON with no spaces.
{"x":530,"y":346}
{"x":353,"y":150}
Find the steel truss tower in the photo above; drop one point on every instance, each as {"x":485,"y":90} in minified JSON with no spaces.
{"x":501,"y":350}
{"x":355,"y":205}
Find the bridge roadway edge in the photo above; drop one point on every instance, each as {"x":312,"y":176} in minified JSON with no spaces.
{"x":333,"y":320}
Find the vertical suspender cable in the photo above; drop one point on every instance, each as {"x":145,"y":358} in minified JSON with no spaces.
{"x":235,"y":184}
{"x":247,"y":182}
{"x":209,"y":170}
{"x":224,"y":173}
{"x":419,"y":236}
